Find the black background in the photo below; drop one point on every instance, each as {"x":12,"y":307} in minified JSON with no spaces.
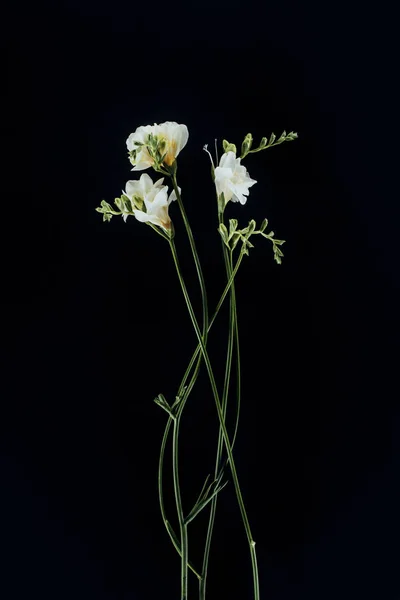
{"x":94,"y":325}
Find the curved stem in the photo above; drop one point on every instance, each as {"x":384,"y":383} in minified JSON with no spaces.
{"x":195,"y":258}
{"x":232,"y":329}
{"x":182,"y":524}
{"x":222,"y":423}
{"x":179,"y":508}
{"x":185,"y":396}
{"x":167,"y":524}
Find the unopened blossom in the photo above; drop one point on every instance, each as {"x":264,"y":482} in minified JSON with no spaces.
{"x":151,"y":200}
{"x":232,"y":179}
{"x":170,"y":138}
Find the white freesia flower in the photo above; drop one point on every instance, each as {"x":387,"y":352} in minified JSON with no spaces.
{"x":170,"y":137}
{"x":232,"y":179}
{"x":153,"y":197}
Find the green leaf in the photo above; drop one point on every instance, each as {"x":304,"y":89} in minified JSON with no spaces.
{"x":271,"y":139}
{"x":107,"y":217}
{"x":198,"y":507}
{"x":264,"y":225}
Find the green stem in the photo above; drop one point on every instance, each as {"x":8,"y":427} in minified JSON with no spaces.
{"x":222,"y":423}
{"x":179,"y":508}
{"x":232,"y":329}
{"x":195,"y":258}
{"x":167,"y":524}
{"x":185,"y":396}
{"x":182,"y":524}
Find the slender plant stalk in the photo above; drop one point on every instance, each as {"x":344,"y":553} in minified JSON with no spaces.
{"x":182,"y":524}
{"x":231,"y":340}
{"x":222,"y":424}
{"x":179,"y":508}
{"x":184,"y":395}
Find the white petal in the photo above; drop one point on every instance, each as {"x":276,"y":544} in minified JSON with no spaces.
{"x":146,"y":183}
{"x":146,"y":218}
{"x":159,"y":201}
{"x":181,"y":137}
{"x":172,"y":195}
{"x":228,"y":160}
{"x":141,"y":166}
{"x":132,"y":187}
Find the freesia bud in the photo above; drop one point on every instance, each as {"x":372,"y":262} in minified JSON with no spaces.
{"x":246,"y":144}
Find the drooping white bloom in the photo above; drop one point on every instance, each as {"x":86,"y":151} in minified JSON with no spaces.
{"x":153,"y":197}
{"x":232,"y":179}
{"x":138,"y":189}
{"x":170,"y":136}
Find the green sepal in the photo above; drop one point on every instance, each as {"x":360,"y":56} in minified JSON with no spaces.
{"x":206,"y":495}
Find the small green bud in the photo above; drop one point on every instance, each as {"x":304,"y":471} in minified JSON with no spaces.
{"x":251,"y":227}
{"x":229,"y":147}
{"x":233,"y":223}
{"x":246,"y":145}
{"x":224,"y":232}
{"x":234,"y":240}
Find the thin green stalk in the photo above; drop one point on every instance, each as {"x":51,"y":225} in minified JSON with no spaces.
{"x":195,"y":257}
{"x":222,"y":424}
{"x":220,"y":303}
{"x":213,"y":509}
{"x":179,"y":508}
{"x":182,"y":525}
{"x":167,"y":524}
